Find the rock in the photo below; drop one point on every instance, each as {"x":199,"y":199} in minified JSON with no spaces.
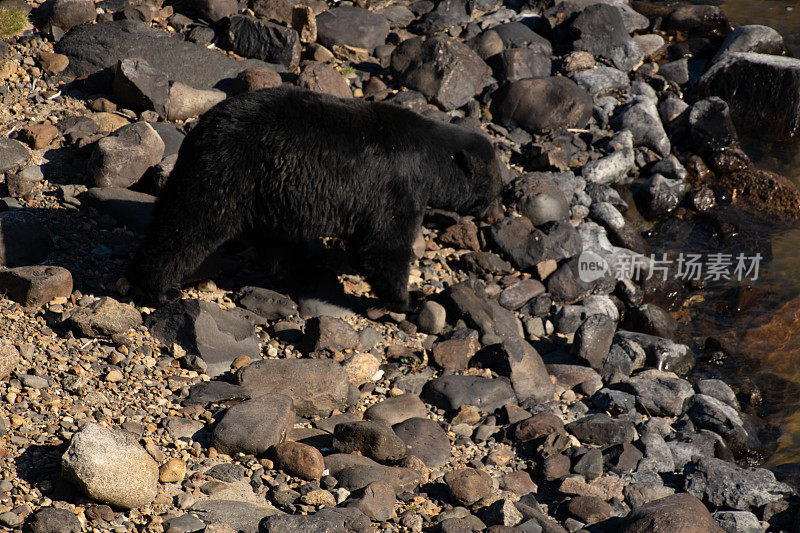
{"x":452,"y":391}
{"x":362,"y":368}
{"x":662,"y":195}
{"x":542,"y":104}
{"x":704,"y":20}
{"x":186,"y":102}
{"x":589,"y":509}
{"x":372,"y":439}
{"x":602,"y":430}
{"x":455,"y":354}
{"x":21,"y":184}
{"x":214,"y":10}
{"x":468,"y":301}
{"x":104,"y":317}
{"x":23,"y":239}
{"x":255,"y":78}
{"x":503,"y":513}
{"x":141,"y":87}
{"x":38,"y":136}
{"x":317,"y":387}
{"x":526,"y":246}
{"x":254,"y":425}
{"x":64,"y":14}
{"x":328,"y":520}
{"x":600,"y":30}
{"x":322,"y":78}
{"x":518,"y":482}
{"x":524,"y":367}
{"x":517,"y":34}
{"x":300,"y":460}
{"x":122,"y":158}
{"x":204,"y":330}
{"x":520,"y":293}
{"x":173,"y":471}
{"x":444,"y":69}
{"x":432,"y":318}
{"x":738,"y":521}
{"x":424,"y":439}
{"x":349,"y":25}
{"x":129,"y":208}
{"x":91,"y":48}
{"x":651,"y":45}
{"x":679,"y":513}
{"x":610,"y":169}
{"x":13,"y":155}
{"x":270,"y":42}
{"x":354,"y":472}
{"x":600,"y":81}
{"x":376,"y":501}
{"x":111,"y":467}
{"x":9,"y":358}
{"x":33,"y":286}
{"x":240,"y":516}
{"x":445,"y":15}
{"x":269,"y":305}
{"x":593,"y":339}
{"x":663,"y":354}
{"x":395,"y":410}
{"x":468,"y":485}
{"x":739,"y":78}
{"x":657,"y":455}
{"x":328,"y":333}
{"x":718,"y":389}
{"x":463,"y":235}
{"x":711,"y":125}
{"x":751,"y":38}
{"x":540,"y":199}
{"x":52,"y":520}
{"x":721,"y":483}
{"x":660,"y":393}
{"x":279,"y":11}
{"x":641,"y":117}
{"x":520,"y":63}
{"x":676,"y":71}
{"x":710,"y":413}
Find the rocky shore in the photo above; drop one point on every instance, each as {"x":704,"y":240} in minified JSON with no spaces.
{"x":541,"y":383}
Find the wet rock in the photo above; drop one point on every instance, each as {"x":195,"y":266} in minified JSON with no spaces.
{"x":663,"y":354}
{"x":642,"y":119}
{"x":376,"y":501}
{"x":52,"y":520}
{"x":468,"y":485}
{"x":204,"y":330}
{"x":91,"y":48}
{"x":660,"y":393}
{"x":254,"y":425}
{"x":322,"y":78}
{"x":432,"y":318}
{"x":718,"y":389}
{"x":255,"y":78}
{"x":372,"y":439}
{"x":397,"y":409}
{"x":64,"y":14}
{"x":328,"y":520}
{"x":542,"y":104}
{"x":444,"y":69}
{"x":710,"y":413}
{"x":651,"y":319}
{"x":600,"y":30}
{"x":23,"y":239}
{"x":602,"y":430}
{"x":679,"y":513}
{"x":259,"y":39}
{"x":711,"y":125}
{"x":349,"y":25}
{"x":104,"y":317}
{"x":452,"y":391}
{"x":13,"y":155}
{"x":109,"y":466}
{"x":741,"y":78}
{"x":36,"y":285}
{"x":662,"y":195}
{"x":751,"y":38}
{"x":300,"y":460}
{"x":267,"y":304}
{"x":721,"y":483}
{"x":122,"y":158}
{"x":317,"y":387}
{"x":425,"y":439}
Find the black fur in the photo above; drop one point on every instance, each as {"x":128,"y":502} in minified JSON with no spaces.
{"x":290,"y":166}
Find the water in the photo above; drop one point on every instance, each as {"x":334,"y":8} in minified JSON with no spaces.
{"x":779,"y":14}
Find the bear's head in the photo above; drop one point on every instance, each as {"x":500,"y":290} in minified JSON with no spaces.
{"x":484,"y":174}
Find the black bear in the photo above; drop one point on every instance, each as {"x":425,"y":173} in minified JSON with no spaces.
{"x":290,"y":166}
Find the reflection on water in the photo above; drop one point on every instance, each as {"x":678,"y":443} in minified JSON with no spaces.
{"x":779,"y":14}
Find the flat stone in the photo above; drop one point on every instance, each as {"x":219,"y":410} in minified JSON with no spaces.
{"x":394,"y":410}
{"x":372,"y":439}
{"x":104,"y":317}
{"x":425,"y":439}
{"x":254,"y":425}
{"x":34,"y":286}
{"x":354,"y":26}
{"x":453,"y":391}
